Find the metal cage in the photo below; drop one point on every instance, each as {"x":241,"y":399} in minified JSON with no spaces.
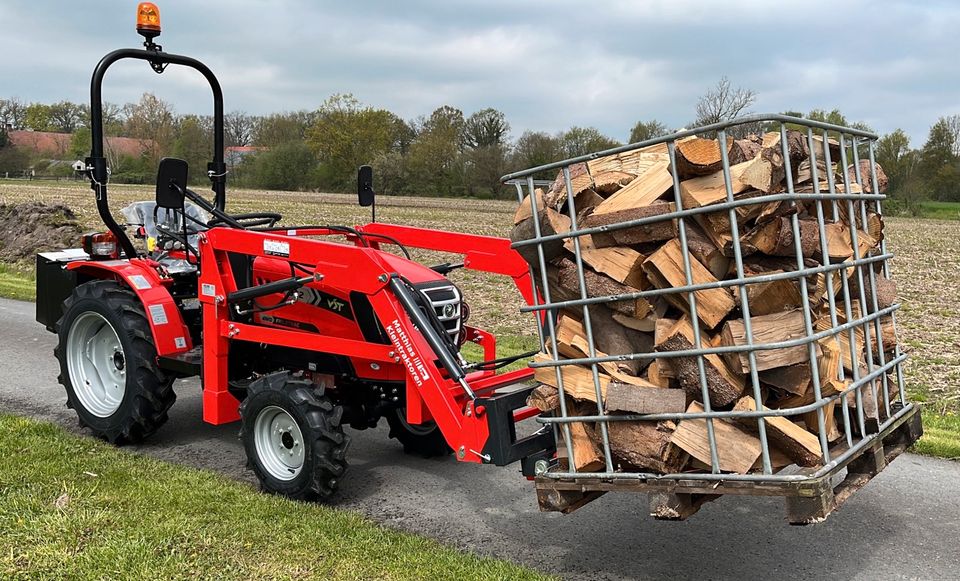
{"x":853,"y":316}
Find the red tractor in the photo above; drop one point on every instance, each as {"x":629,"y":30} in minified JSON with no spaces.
{"x":291,"y":331}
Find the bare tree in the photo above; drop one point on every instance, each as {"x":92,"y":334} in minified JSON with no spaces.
{"x":953,"y":124}
{"x":238,"y":128}
{"x":13,"y":112}
{"x":723,"y":102}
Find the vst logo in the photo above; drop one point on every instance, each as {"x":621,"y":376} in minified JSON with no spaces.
{"x":326,"y":302}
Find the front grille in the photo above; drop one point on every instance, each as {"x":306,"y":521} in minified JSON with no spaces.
{"x":447,"y":304}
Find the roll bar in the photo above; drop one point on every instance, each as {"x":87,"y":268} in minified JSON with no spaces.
{"x":97,"y":163}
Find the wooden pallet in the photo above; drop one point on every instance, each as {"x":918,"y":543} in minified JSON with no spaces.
{"x":808,"y":501}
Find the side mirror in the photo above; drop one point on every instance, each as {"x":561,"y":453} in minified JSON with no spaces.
{"x":365,"y":193}
{"x":171,"y":182}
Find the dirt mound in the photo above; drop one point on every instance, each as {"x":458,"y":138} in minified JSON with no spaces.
{"x":32,"y":227}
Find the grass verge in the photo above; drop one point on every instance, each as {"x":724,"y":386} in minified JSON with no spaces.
{"x":941,"y":436}
{"x":940,"y":210}
{"x":76,"y":508}
{"x":17,"y":282}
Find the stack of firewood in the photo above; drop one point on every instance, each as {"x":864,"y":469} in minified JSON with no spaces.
{"x":640,"y":184}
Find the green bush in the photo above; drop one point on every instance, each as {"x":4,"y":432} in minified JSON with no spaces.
{"x":291,"y":166}
{"x":902,"y":207}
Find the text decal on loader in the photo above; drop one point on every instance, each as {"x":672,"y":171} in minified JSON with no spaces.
{"x":401,"y":341}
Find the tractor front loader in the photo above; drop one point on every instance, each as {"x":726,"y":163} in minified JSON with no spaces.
{"x":295,"y":331}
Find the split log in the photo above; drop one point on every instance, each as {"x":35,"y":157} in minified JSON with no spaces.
{"x":608,"y":182}
{"x":712,"y":189}
{"x":599,"y":285}
{"x":828,"y":363}
{"x":867,"y":180}
{"x":768,"y":298}
{"x":723,"y":385}
{"x":799,"y":444}
{"x":577,"y":381}
{"x":706,"y":252}
{"x":623,"y":397}
{"x":645,"y":445}
{"x":840,"y":242}
{"x":609,"y":338}
{"x":775,"y":238}
{"x":829,"y":422}
{"x":656,"y":375}
{"x":767,"y":170}
{"x":551,"y":222}
{"x":665,"y":269}
{"x":773,"y":328}
{"x":635,"y":161}
{"x":827,"y":389}
{"x":585,"y":202}
{"x":737,"y":449}
{"x":580,"y":179}
{"x":793,"y":379}
{"x":587,"y":456}
{"x":526,"y":210}
{"x":622,"y":264}
{"x":698,"y":156}
{"x":545,"y":398}
{"x":644,"y":325}
{"x":650,"y":232}
{"x":745,"y":149}
{"x":641,"y":192}
{"x":886,"y":290}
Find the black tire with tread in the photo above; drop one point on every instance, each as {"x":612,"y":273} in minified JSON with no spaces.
{"x":148,"y":392}
{"x":319,"y":421}
{"x":427,"y":445}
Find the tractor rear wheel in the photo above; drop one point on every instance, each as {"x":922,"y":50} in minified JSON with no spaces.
{"x":293,"y":437}
{"x":421,"y":439}
{"x":108,"y":364}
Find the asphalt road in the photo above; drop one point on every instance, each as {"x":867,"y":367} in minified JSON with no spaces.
{"x":903,"y":525}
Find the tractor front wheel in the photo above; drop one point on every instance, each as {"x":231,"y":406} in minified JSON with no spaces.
{"x":293,"y":437}
{"x":424,"y":440}
{"x":108,"y":363}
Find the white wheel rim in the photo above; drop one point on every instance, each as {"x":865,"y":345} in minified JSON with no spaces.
{"x":97,"y":364}
{"x":279,"y":443}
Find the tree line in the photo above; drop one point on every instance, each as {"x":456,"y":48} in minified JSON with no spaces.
{"x":445,"y":153}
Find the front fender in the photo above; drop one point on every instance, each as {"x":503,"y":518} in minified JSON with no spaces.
{"x":170,"y":334}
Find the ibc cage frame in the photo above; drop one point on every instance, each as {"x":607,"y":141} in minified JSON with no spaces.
{"x":864,"y":447}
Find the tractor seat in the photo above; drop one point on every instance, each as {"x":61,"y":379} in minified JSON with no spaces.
{"x":146,"y":214}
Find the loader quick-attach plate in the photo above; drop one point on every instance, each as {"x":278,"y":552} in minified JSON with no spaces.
{"x":809,"y":500}
{"x":503,"y":447}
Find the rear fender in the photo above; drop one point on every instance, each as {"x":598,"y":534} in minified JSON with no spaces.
{"x":170,"y":334}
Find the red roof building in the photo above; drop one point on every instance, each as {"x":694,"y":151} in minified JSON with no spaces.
{"x":57,"y":145}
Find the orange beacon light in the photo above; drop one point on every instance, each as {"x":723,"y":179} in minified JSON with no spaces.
{"x":148,"y":19}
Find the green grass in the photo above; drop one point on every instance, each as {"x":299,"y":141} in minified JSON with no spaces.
{"x":76,"y":508}
{"x":17,"y":282}
{"x":941,"y":436}
{"x":940,"y":210}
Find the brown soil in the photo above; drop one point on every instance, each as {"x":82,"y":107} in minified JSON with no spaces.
{"x":32,"y":227}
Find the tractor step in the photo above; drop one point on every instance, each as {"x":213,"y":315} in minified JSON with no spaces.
{"x":186,"y":364}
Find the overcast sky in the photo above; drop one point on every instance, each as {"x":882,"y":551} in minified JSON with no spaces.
{"x":547,"y":64}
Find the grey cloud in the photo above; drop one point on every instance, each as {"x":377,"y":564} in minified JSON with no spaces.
{"x":547,"y":65}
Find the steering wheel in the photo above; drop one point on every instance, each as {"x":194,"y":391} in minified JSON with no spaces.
{"x":250,"y":219}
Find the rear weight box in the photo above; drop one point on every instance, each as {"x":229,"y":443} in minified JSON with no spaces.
{"x":54,"y":284}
